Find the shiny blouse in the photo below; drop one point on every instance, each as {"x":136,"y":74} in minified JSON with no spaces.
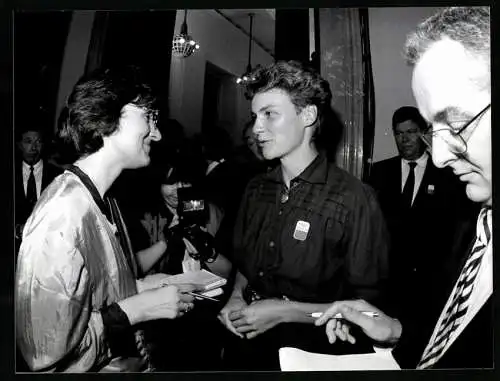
{"x":70,"y":266}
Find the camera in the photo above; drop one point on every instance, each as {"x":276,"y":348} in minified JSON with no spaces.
{"x":192,"y":210}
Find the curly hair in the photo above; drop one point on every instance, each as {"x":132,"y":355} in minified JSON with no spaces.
{"x":303,"y":85}
{"x":94,"y":108}
{"x":469,"y":26}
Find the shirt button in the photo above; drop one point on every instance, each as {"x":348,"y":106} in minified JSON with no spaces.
{"x":271,"y":244}
{"x":261,"y":273}
{"x":280,"y":213}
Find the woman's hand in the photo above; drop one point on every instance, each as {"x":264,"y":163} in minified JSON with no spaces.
{"x":258,"y":317}
{"x":167,"y":302}
{"x":151,"y":281}
{"x":382,"y":328}
{"x":234,"y":304}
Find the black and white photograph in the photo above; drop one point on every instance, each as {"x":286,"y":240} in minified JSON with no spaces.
{"x":237,"y":190}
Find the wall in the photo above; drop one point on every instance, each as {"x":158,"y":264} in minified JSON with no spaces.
{"x":225,"y":46}
{"x":391,"y":75}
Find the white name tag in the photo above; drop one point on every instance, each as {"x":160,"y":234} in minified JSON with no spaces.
{"x":301,"y":230}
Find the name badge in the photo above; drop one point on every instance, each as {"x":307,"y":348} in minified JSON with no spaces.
{"x":301,"y":230}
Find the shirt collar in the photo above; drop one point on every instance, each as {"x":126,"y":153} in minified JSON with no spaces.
{"x":315,"y":173}
{"x":36,"y":167}
{"x":421,"y":161}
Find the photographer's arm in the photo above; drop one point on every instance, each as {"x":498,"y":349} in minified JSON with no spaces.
{"x":147,"y":258}
{"x":220,"y":266}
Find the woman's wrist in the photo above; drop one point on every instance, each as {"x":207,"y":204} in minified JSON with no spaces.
{"x":132,"y":308}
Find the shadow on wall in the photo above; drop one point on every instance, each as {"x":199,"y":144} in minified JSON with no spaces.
{"x":330,"y":134}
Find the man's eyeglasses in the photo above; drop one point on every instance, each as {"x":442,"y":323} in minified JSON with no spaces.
{"x":453,"y":139}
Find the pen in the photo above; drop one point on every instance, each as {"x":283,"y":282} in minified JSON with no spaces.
{"x":339,"y":315}
{"x":201,"y":296}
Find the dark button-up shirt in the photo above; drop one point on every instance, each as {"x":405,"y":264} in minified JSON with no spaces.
{"x":323,"y":240}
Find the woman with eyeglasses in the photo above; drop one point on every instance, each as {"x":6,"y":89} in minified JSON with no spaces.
{"x":78,"y":302}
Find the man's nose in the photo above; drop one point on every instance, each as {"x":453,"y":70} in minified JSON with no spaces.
{"x":155,"y":134}
{"x":442,"y":156}
{"x":258,"y":126}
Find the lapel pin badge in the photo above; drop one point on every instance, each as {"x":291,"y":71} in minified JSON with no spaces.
{"x":430,"y":189}
{"x":301,"y":230}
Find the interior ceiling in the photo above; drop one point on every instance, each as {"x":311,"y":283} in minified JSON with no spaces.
{"x":263,"y":24}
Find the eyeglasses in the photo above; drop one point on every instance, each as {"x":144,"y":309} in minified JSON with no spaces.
{"x":453,"y":139}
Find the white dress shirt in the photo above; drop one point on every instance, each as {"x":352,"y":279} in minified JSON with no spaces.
{"x":419,"y":172}
{"x":37,"y":171}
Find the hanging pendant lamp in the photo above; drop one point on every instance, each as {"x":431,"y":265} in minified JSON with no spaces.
{"x":247,"y":76}
{"x":183,"y":45}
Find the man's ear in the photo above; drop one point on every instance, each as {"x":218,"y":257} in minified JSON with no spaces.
{"x":309,"y":115}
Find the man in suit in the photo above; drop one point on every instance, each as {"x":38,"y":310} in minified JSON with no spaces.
{"x":32,"y":175}
{"x":450,"y":56}
{"x":419,"y":202}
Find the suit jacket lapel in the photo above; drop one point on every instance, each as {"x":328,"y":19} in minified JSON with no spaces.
{"x":396,"y":180}
{"x":427,"y":179}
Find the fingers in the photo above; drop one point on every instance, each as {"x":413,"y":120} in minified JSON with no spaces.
{"x":336,"y":329}
{"x":186,"y":298}
{"x":185,"y":307}
{"x":252,"y":334}
{"x":331,"y":326}
{"x":224,"y":318}
{"x":235,"y":315}
{"x":245,"y":329}
{"x":186,"y":287}
{"x":329,"y":313}
{"x":338,"y":307}
{"x":357,"y":317}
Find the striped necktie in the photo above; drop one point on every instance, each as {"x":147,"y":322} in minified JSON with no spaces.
{"x":459,"y":304}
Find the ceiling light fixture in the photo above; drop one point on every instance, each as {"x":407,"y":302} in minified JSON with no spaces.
{"x":247,"y":76}
{"x":183,"y":45}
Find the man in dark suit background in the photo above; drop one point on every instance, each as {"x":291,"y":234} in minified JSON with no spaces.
{"x":32,"y":175}
{"x":450,"y":54}
{"x":419,"y":203}
{"x":423,"y":206}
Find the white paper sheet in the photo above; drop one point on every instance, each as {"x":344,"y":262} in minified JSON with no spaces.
{"x":293,"y":359}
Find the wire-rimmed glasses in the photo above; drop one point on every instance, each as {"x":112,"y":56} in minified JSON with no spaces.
{"x":453,"y":139}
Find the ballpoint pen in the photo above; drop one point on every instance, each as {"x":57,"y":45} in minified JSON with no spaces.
{"x":339,"y":315}
{"x":201,"y":296}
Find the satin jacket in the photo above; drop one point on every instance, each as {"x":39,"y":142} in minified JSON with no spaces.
{"x":70,"y":265}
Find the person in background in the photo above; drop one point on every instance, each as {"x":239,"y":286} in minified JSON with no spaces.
{"x":450,"y":56}
{"x":181,"y":181}
{"x":33,"y":174}
{"x":423,"y":206}
{"x":78,"y":303}
{"x":307,"y":232}
{"x":184,"y":219}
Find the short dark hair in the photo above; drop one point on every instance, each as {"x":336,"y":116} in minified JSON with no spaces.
{"x":405,"y":113}
{"x":94,"y":108}
{"x":30,"y":128}
{"x":302,"y":83}
{"x":469,"y":26}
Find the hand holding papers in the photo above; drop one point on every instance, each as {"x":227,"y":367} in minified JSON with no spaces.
{"x":293,"y":359}
{"x":207,"y":284}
